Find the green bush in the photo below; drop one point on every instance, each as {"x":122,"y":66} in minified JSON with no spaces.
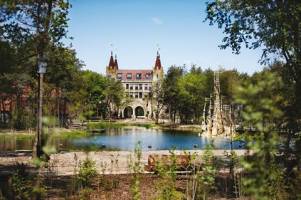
{"x":85,"y":194}
{"x":206,"y":179}
{"x":19,"y":185}
{"x":135,"y":166}
{"x":166,"y":185}
{"x":87,"y":171}
{"x":23,"y":186}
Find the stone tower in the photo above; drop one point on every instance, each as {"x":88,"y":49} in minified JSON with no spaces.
{"x":111,"y":69}
{"x":158,"y":69}
{"x":217,"y":119}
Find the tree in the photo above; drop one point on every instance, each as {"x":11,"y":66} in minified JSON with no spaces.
{"x":171,"y":90}
{"x":63,"y":79}
{"x":273,"y":26}
{"x":264,"y":175}
{"x":157,"y":94}
{"x":38,"y":24}
{"x":192,"y":92}
{"x":114,"y":94}
{"x":94,"y":86}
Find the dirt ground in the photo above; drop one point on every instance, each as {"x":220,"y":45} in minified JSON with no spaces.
{"x":111,"y":187}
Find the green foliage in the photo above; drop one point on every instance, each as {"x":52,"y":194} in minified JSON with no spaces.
{"x":206,"y":180}
{"x":192,"y":91}
{"x":258,"y":24}
{"x":39,"y":192}
{"x":114,"y":94}
{"x":136,"y":167}
{"x":23,"y":186}
{"x":157,"y":94}
{"x":102,"y":96}
{"x":185,"y":92}
{"x":87,"y":172}
{"x":112,"y":124}
{"x":85,"y":194}
{"x":94,"y":86}
{"x":166,"y":185}
{"x":274,"y":27}
{"x":169,"y":85}
{"x":264,"y":179}
{"x":19,"y":185}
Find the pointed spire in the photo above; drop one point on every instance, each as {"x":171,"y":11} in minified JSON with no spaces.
{"x":111,"y":63}
{"x":158,"y":61}
{"x":116,"y":62}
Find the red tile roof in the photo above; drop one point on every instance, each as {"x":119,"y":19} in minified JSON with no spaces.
{"x":112,"y":63}
{"x":158,"y":62}
{"x":145,"y":74}
{"x":116,"y":62}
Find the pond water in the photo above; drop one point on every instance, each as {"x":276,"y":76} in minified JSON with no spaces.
{"x":125,"y":139}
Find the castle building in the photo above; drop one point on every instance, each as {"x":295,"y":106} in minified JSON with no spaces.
{"x":138,"y":85}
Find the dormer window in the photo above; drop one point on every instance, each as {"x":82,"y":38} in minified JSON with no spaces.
{"x":129,"y":75}
{"x":147,"y":76}
{"x":119,"y":76}
{"x":138,"y":76}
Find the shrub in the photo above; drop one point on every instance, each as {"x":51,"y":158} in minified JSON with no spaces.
{"x":166,"y":186}
{"x":87,"y":171}
{"x":135,"y":166}
{"x":206,"y":180}
{"x":19,"y":185}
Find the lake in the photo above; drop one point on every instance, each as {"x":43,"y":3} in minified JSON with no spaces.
{"x":124,"y":138}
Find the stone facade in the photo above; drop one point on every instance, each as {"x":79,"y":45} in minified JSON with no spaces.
{"x":217,"y":117}
{"x":138,"y":86}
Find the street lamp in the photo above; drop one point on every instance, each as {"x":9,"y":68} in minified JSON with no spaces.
{"x":42,"y":64}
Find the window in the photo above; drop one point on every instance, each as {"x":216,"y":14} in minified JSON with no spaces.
{"x":138,"y":76}
{"x":136,"y":95}
{"x":147,"y":75}
{"x":131,"y":87}
{"x":129,"y":75}
{"x":140,"y":86}
{"x":145,"y":87}
{"x":119,"y":76}
{"x":136,"y":87}
{"x":127,"y":86}
{"x":140,"y":95}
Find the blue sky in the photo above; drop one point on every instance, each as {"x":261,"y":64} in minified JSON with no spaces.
{"x":137,"y":27}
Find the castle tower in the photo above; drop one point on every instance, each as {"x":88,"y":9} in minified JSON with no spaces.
{"x":158,"y":69}
{"x":111,"y":69}
{"x":116,"y":62}
{"x":217,"y":120}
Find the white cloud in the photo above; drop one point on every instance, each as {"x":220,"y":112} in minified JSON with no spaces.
{"x":157,"y":21}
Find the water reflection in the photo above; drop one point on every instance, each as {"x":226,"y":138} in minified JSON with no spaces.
{"x":152,"y":139}
{"x":122,"y":139}
{"x":16,"y":142}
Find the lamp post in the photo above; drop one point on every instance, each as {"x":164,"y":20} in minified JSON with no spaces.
{"x":41,"y":71}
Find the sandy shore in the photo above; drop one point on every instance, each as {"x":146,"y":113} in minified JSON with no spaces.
{"x":107,"y":162}
{"x":114,"y":162}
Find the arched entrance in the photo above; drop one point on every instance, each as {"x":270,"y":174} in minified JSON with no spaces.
{"x":128,"y":112}
{"x":139,"y":111}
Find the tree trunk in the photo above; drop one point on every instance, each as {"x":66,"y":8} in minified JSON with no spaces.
{"x":37,"y":144}
{"x":58,"y":110}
